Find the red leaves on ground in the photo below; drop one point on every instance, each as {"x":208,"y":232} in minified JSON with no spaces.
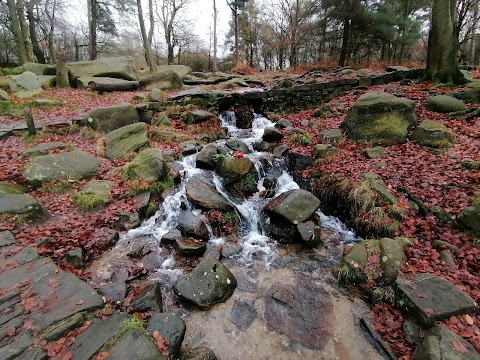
{"x":161,"y":342}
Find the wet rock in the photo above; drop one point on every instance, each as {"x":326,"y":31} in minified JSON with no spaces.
{"x":157,"y":95}
{"x":301,"y":312}
{"x":148,"y":165}
{"x":6,"y":238}
{"x":18,"y":204}
{"x":76,"y":258}
{"x":412,"y":331}
{"x":187,"y":246}
{"x":209,"y":283}
{"x":356,"y":258}
{"x":134,"y":344}
{"x":229,"y":249}
{"x":56,"y":331}
{"x":374,"y":152}
{"x":242,"y":314}
{"x":270,"y":134}
{"x":232,"y":169}
{"x":198,"y":353}
{"x":75,"y":165}
{"x":263,"y":146}
{"x":299,"y":162}
{"x":237,"y":145}
{"x":198,"y":116}
{"x":14,"y":349}
{"x":170,"y":237}
{"x":283,"y":124}
{"x":115,"y":291}
{"x":380,"y":118}
{"x":188,"y":147}
{"x":205,"y":158}
{"x":88,"y":343}
{"x":310,"y":233}
{"x":111,"y":118}
{"x":170,"y":326}
{"x":148,"y":300}
{"x":126,"y":139}
{"x":244,"y":117}
{"x":192,"y":225}
{"x":214,"y":251}
{"x":435,"y":298}
{"x":202,"y":191}
{"x":445,"y":104}
{"x":441,"y":343}
{"x":128,"y":221}
{"x":294,"y":206}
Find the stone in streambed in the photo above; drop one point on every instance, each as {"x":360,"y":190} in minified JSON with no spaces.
{"x":294,"y":206}
{"x":202,"y":191}
{"x":310,"y":233}
{"x":191,"y":225}
{"x":148,"y":300}
{"x":198,"y":353}
{"x":187,"y":246}
{"x":208,"y":284}
{"x":206,"y":157}
{"x":171,"y":327}
{"x":134,"y":344}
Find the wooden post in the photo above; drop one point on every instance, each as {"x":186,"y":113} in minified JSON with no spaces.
{"x":30,"y":124}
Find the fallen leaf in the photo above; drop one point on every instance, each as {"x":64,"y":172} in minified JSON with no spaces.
{"x":80,"y":302}
{"x":469,"y":319}
{"x":429,"y":311}
{"x":457,"y":346}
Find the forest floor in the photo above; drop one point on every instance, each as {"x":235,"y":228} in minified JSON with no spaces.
{"x":437,"y":179}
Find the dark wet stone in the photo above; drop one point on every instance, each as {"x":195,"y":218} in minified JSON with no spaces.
{"x":237,"y":145}
{"x":187,"y":246}
{"x":153,"y":261}
{"x":303,"y":261}
{"x":246,"y":285}
{"x":283,"y":124}
{"x":14,"y":349}
{"x":201,"y":190}
{"x":56,"y":331}
{"x":138,"y":251}
{"x":411,"y":331}
{"x":6,"y":238}
{"x":198,"y":353}
{"x":242,"y":314}
{"x":229,"y":249}
{"x":188,"y":147}
{"x":435,"y":298}
{"x":134,"y":344}
{"x":191,"y":225}
{"x":272,"y":135}
{"x":293,"y":206}
{"x":214,"y":251}
{"x":170,"y":237}
{"x":310,"y":233}
{"x":116,"y":291}
{"x":148,"y":300}
{"x":75,"y":258}
{"x":205,"y":158}
{"x":301,"y":312}
{"x":32,"y":354}
{"x":170,"y":326}
{"x":299,"y":162}
{"x":438,"y":344}
{"x":208,"y":284}
{"x":88,"y":343}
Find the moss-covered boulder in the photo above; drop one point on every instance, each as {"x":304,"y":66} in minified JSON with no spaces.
{"x":6,"y":188}
{"x":392,"y":256}
{"x":40,"y":69}
{"x":4,"y":95}
{"x":324,"y":150}
{"x":157,"y":95}
{"x":445,"y":104}
{"x":353,"y":262}
{"x":433,"y":134}
{"x":332,"y":136}
{"x":180,"y":70}
{"x":112,"y":117}
{"x":374,"y":152}
{"x":164,"y":80}
{"x":126,"y":139}
{"x":25,"y":85}
{"x":232,"y":169}
{"x":75,"y":165}
{"x":209,"y":283}
{"x":197,"y":116}
{"x":469,"y":219}
{"x":100,"y":188}
{"x":148,"y":165}
{"x":18,"y":204}
{"x":380,"y":119}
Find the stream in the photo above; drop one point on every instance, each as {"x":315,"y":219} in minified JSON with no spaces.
{"x":287,"y":304}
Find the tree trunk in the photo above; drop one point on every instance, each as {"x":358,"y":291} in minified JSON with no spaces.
{"x":214,"y":62}
{"x":33,"y":36}
{"x":235,"y":19}
{"x":125,"y":85}
{"x":345,"y":42}
{"x":92,"y":28}
{"x":473,"y":35}
{"x":62,"y":75}
{"x":146,"y":45}
{"x":442,"y":64}
{"x":24,"y":29}
{"x":17,"y":32}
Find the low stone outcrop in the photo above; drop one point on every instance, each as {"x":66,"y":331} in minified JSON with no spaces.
{"x":125,"y":139}
{"x":112,"y":117}
{"x":380,"y":119}
{"x":75,"y":165}
{"x":208,"y":284}
{"x":42,"y":149}
{"x":18,"y":204}
{"x":25,"y":85}
{"x":197,"y":116}
{"x":164,"y":80}
{"x":232,"y":169}
{"x":148,"y":165}
{"x":445,"y":104}
{"x":433,"y":134}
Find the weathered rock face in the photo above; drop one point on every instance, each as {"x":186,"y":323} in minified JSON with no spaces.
{"x":438,"y":344}
{"x":435,"y":298}
{"x":134,"y":344}
{"x":301,"y":312}
{"x":40,"y":69}
{"x":237,"y":145}
{"x":445,"y":104}
{"x":148,"y":165}
{"x":198,"y":353}
{"x":114,"y":67}
{"x":208,"y":284}
{"x":271,"y":134}
{"x":188,"y":147}
{"x":205,"y":158}
{"x":232,"y":169}
{"x":192,"y":225}
{"x":111,"y":118}
{"x":380,"y":118}
{"x":187,"y":246}
{"x":75,"y":165}
{"x":310,"y":233}
{"x":197,"y":116}
{"x":42,"y":149}
{"x":18,"y":204}
{"x":149,"y":300}
{"x":294,"y":206}
{"x":202,"y":191}
{"x":433,"y":134}
{"x":100,"y":188}
{"x":469,"y":219}
{"x":181,"y":70}
{"x":324,"y":150}
{"x":25,"y":85}
{"x":125,"y":139}
{"x":4,"y":95}
{"x":170,"y":326}
{"x":164,"y":80}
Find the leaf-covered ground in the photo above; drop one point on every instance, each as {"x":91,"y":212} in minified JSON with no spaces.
{"x":435,"y":179}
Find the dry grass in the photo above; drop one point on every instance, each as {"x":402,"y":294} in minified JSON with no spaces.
{"x":243,"y":69}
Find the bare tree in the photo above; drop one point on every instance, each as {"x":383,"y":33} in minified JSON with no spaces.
{"x":214,"y":61}
{"x":147,"y":44}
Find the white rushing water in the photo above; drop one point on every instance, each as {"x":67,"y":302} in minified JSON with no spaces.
{"x":253,"y":222}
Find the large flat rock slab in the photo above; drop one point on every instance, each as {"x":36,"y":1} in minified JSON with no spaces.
{"x":18,"y":204}
{"x":75,"y":165}
{"x":435,"y":298}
